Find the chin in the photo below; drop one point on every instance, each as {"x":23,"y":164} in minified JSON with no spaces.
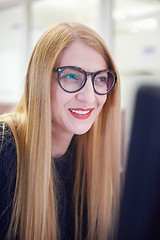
{"x":82,"y":131}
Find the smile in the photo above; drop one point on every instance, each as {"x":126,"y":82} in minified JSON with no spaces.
{"x":81,"y":113}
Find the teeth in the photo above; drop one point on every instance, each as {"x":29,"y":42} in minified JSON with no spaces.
{"x":80,"y":112}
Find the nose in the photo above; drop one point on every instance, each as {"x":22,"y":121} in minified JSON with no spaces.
{"x":86,"y":94}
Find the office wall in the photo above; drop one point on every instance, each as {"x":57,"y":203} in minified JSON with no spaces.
{"x":137,"y":50}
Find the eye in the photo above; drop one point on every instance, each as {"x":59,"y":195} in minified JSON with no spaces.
{"x":70,"y":76}
{"x":101,"y":79}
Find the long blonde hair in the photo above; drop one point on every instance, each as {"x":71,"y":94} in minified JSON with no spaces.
{"x":98,"y":151}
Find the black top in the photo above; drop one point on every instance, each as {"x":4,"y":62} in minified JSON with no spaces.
{"x":65,"y":172}
{"x":8,"y":158}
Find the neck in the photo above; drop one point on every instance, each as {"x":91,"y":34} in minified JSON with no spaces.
{"x":60,"y":143}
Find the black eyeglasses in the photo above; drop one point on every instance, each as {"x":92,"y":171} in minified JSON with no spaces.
{"x":72,"y":79}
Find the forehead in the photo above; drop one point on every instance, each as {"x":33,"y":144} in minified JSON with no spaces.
{"x":81,"y":55}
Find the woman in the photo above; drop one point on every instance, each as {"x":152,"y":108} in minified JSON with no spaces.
{"x":61,"y":143}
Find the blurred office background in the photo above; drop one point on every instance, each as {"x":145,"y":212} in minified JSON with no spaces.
{"x":131,"y":29}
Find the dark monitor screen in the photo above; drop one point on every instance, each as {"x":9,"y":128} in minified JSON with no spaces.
{"x":140,"y":206}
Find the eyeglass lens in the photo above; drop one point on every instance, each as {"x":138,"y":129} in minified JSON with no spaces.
{"x":73,"y":79}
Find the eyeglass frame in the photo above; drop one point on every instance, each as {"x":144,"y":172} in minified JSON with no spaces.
{"x":59,"y":70}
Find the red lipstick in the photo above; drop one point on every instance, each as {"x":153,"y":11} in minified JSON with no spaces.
{"x":81,"y":113}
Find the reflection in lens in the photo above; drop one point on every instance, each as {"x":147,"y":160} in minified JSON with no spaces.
{"x":103,"y":82}
{"x":71,"y":79}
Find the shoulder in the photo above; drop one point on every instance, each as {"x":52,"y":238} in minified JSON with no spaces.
{"x":6,"y":134}
{"x":7,"y":143}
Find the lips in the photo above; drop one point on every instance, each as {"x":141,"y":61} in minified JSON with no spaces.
{"x":81,"y":113}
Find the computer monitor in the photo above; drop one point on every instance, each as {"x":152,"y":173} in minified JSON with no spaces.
{"x":140,"y":205}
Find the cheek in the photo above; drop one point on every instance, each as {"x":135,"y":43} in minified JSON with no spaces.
{"x":54,"y":99}
{"x":53,"y":89}
{"x":59,"y":99}
{"x":102,"y":100}
{"x":56,"y":92}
